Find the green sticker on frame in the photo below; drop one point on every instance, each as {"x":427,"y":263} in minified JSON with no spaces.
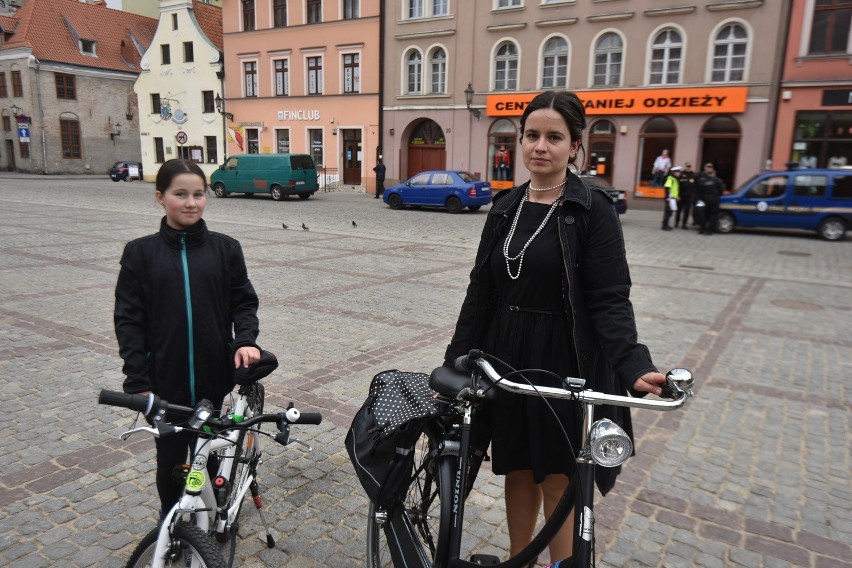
{"x":195,"y":480}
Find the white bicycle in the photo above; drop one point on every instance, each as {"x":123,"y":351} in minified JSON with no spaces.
{"x":222,"y":469}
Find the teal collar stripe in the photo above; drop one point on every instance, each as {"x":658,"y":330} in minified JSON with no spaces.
{"x":188,"y":318}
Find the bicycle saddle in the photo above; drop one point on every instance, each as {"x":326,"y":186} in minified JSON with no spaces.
{"x":451,"y":383}
{"x":248,"y":375}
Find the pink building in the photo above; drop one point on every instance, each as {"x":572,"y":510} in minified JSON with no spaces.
{"x":303,"y":77}
{"x":814,"y":121}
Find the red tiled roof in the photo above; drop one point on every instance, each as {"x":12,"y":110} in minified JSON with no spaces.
{"x":45,"y":25}
{"x":209,"y":17}
{"x":8,"y":24}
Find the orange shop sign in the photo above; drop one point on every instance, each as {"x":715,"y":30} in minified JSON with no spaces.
{"x":707,"y":100}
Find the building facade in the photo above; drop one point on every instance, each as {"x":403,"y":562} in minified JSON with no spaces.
{"x":814,"y":121}
{"x":66,"y":87}
{"x":696,"y":80}
{"x":178,"y":88}
{"x":303,"y":77}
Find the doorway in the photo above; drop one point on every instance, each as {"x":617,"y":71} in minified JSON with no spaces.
{"x":658,"y":134}
{"x":352,"y":156}
{"x":720,"y":145}
{"x":10,"y":152}
{"x":427,"y":148}
{"x":601,"y":149}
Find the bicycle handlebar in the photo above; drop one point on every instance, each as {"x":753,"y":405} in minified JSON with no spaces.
{"x":593,"y":397}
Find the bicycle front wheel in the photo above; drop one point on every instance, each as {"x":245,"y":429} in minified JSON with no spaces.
{"x":424,"y":511}
{"x":190,"y":546}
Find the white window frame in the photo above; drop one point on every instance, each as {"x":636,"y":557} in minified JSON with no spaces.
{"x":256,"y":77}
{"x":406,"y":55}
{"x":543,"y":54}
{"x":711,"y":50}
{"x":320,"y":78}
{"x":507,"y":4}
{"x":343,"y":54}
{"x":609,"y":64}
{"x":274,"y":73}
{"x":667,"y":60}
{"x":494,"y":51}
{"x":430,"y":72}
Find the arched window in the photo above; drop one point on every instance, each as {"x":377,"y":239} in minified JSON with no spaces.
{"x":666,"y":55}
{"x":438,"y":70}
{"x":608,"y":54}
{"x":554,"y":65}
{"x":414,"y":70}
{"x":729,"y":54}
{"x":506,"y":67}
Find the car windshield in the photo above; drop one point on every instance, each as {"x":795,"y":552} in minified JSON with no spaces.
{"x":467,"y":176}
{"x":117,"y":165}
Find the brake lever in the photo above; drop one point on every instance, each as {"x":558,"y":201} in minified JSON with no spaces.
{"x":307,"y":446}
{"x":153,"y":431}
{"x":162,"y":429}
{"x":285,"y":440}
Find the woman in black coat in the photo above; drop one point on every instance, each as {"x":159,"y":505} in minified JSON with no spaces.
{"x":550,"y":290}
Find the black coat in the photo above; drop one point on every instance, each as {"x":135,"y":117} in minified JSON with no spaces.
{"x":596,"y":293}
{"x":154,"y":318}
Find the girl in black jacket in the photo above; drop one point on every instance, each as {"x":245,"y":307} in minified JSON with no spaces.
{"x":185,"y":311}
{"x":550,"y":290}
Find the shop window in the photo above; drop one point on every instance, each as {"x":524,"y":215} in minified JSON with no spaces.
{"x":252,"y":141}
{"x":502,"y":153}
{"x":315,"y":141}
{"x":282,"y":141}
{"x":822,"y":139}
{"x":658,"y":134}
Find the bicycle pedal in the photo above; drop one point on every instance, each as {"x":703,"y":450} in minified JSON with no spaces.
{"x":485,"y":559}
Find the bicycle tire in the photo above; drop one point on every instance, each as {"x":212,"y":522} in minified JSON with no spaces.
{"x":188,"y":542}
{"x":426,"y":505}
{"x":246,"y":457}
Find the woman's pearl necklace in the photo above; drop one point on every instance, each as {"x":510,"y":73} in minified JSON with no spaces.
{"x":520,"y":256}
{"x":552,"y":187}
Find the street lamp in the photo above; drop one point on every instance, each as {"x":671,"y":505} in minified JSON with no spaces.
{"x":16,"y":110}
{"x":219,"y":102}
{"x":468,"y":99}
{"x":116,"y":131}
{"x":128,"y":114}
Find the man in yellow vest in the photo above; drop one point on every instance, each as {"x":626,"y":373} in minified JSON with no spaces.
{"x":672,"y":185}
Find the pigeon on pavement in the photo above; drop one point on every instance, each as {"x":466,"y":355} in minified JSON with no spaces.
{"x":354,"y":224}
{"x":305,"y":227}
{"x":283,"y":225}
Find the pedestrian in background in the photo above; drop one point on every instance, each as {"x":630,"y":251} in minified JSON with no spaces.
{"x":670,"y":204}
{"x":380,"y":169}
{"x":710,"y":190}
{"x":661,"y":166}
{"x":688,"y":192}
{"x":502,"y":161}
{"x":550,"y":290}
{"x":185,"y":311}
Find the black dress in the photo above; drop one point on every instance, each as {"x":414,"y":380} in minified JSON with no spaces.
{"x":530,"y":330}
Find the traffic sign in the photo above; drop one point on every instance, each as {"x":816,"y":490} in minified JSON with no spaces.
{"x":181,"y":137}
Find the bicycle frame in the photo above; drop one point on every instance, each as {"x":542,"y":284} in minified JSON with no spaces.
{"x":401,"y":533}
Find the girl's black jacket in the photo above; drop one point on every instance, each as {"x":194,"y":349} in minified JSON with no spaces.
{"x":183,"y":305}
{"x":595,"y":292}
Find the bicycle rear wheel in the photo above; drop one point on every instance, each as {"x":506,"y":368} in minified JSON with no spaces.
{"x":424,"y":511}
{"x":190,"y":546}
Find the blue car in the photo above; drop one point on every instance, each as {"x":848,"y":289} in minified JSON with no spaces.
{"x":452,"y":190}
{"x":813,"y":199}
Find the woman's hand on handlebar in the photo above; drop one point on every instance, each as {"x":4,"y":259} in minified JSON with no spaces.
{"x":650,"y":383}
{"x":246,"y":356}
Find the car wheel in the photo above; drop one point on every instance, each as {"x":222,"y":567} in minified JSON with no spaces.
{"x":395,"y":201}
{"x":453,"y":204}
{"x":474,"y":207}
{"x":219,"y":189}
{"x":832,"y":229}
{"x":277,"y":192}
{"x":304,"y":195}
{"x":114,"y":178}
{"x":725,"y":223}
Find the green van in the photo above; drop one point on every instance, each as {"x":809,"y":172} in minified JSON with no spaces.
{"x":279,"y":175}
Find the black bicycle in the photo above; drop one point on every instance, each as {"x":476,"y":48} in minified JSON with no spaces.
{"x":423,"y":528}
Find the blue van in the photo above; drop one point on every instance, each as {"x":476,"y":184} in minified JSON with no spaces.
{"x":813,"y":199}
{"x":279,"y":175}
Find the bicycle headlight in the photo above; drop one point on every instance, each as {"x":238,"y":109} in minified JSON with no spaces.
{"x":610,"y":445}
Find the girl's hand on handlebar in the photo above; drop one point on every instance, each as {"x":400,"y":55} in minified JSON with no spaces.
{"x":246,"y":356}
{"x":651,"y":383}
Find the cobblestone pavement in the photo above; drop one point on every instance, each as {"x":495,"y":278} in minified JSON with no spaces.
{"x":754,"y":472}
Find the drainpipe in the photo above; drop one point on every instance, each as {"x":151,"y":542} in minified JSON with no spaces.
{"x":221,"y":75}
{"x":41,"y":114}
{"x":777,"y":78}
{"x":380,"y":147}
